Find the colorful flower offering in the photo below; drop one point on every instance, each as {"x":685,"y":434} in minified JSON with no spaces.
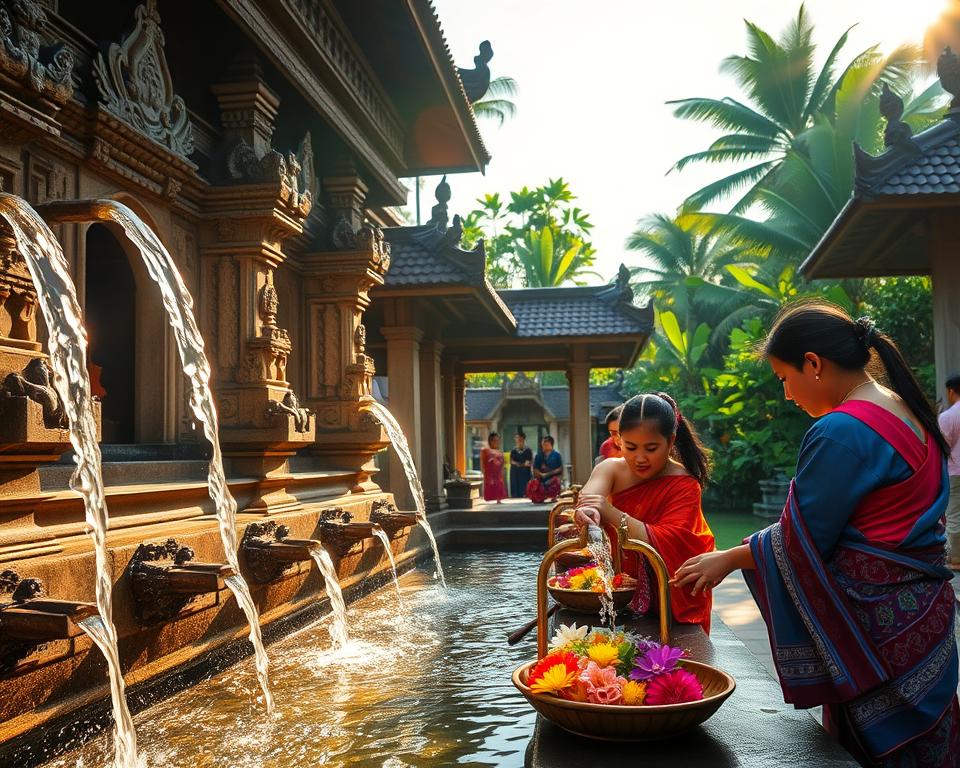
{"x":601,"y":666}
{"x":589,"y":578}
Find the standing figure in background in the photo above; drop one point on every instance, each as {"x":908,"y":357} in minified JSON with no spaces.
{"x":547,"y":471}
{"x":611,"y":447}
{"x":950,"y":426}
{"x":491,"y":460}
{"x":521,"y":461}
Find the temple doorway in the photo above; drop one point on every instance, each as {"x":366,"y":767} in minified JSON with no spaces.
{"x":110,"y":316}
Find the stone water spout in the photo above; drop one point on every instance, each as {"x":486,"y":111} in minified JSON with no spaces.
{"x":165,"y":578}
{"x":392,"y":520}
{"x":270,"y":552}
{"x":29,"y":618}
{"x":340,"y":532}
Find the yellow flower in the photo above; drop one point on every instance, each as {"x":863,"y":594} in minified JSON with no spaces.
{"x":578,"y":581}
{"x":604,"y":654}
{"x":555,"y":679}
{"x":634,"y":693}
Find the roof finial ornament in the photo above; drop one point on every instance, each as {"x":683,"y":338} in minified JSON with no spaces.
{"x":438,"y":214}
{"x":897,"y":133}
{"x":948,"y":70}
{"x":623,"y":279}
{"x":476,"y":81}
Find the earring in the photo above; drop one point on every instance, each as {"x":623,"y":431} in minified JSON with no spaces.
{"x":818,"y":377}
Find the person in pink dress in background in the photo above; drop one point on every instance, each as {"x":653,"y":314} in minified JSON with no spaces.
{"x":950,"y":426}
{"x":491,"y":461}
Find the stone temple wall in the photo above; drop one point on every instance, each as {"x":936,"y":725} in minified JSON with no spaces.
{"x":280,"y":260}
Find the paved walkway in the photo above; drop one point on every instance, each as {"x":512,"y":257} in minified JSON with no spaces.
{"x":510,"y":505}
{"x":735,"y":605}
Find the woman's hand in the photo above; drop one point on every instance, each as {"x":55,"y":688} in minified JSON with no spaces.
{"x":593,"y":509}
{"x":704,"y":571}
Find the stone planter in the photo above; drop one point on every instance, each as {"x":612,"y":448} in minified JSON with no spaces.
{"x":774,"y":495}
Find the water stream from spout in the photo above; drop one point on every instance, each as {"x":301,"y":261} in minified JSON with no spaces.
{"x":600,"y":550}
{"x":385,"y":540}
{"x":178,"y":304}
{"x":338,"y":627}
{"x":67,"y":343}
{"x":402,"y":447}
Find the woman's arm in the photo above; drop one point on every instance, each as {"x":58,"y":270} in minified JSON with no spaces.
{"x":707,"y":570}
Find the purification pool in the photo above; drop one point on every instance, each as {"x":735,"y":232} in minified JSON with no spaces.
{"x":429,"y":686}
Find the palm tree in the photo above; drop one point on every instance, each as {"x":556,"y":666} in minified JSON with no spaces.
{"x":687,"y":270}
{"x":550,"y":256}
{"x":786,"y":96}
{"x":497,"y":104}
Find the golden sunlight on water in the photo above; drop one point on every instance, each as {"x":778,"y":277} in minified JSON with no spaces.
{"x":429,"y":687}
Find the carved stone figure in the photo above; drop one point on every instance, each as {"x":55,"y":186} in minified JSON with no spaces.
{"x":135,"y":84}
{"x":46,"y":70}
{"x":268,"y":305}
{"x":291,"y":405}
{"x":34,"y":383}
{"x":948,"y":70}
{"x":897,"y":133}
{"x":476,"y":81}
{"x":243,"y":164}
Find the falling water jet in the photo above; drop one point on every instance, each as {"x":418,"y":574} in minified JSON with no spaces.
{"x":385,"y":540}
{"x":68,"y":357}
{"x":402,"y":447}
{"x":179,"y":308}
{"x":338,"y":628}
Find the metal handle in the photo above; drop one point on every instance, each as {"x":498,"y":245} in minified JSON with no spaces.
{"x":663,"y":580}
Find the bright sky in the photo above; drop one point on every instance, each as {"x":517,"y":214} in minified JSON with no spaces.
{"x":594,"y":76}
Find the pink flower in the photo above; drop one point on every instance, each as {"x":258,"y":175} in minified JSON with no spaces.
{"x":602,"y":684}
{"x":674,"y":687}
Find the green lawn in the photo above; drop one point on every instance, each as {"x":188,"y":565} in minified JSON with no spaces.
{"x":730,"y":528}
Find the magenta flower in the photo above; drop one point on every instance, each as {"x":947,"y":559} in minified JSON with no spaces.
{"x":676,"y":687}
{"x":656,"y":661}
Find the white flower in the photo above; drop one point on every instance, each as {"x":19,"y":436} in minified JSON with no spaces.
{"x":567,"y":634}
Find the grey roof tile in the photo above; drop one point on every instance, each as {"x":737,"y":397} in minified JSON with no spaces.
{"x":482,"y":402}
{"x":583,"y":311}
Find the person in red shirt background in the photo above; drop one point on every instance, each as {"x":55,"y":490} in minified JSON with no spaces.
{"x":610,"y":448}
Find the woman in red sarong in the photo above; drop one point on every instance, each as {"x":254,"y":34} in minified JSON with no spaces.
{"x":491,"y":461}
{"x":655,"y":496}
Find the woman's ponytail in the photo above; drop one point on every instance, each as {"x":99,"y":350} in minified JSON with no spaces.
{"x":689,"y":448}
{"x":903,"y":382}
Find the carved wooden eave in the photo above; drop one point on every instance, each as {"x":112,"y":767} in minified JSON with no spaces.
{"x":36,"y":74}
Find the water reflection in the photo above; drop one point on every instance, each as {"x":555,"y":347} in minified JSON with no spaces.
{"x":427,"y":687}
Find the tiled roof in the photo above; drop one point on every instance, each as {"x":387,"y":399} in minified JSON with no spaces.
{"x":418,"y":257}
{"x":925,"y":164}
{"x":605,"y":310}
{"x":482,"y":402}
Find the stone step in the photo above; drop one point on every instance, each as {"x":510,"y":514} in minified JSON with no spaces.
{"x":506,"y":517}
{"x":55,"y":477}
{"x":497,"y":537}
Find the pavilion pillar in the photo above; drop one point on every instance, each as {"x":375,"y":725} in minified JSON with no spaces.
{"x":449,"y":411}
{"x":578,"y":376}
{"x":431,"y":424}
{"x":403,"y":375}
{"x":460,"y":422}
{"x":946,"y":307}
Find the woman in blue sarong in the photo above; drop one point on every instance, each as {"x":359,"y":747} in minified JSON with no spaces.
{"x":852,"y":580}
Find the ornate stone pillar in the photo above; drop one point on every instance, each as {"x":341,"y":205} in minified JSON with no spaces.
{"x":578,"y":376}
{"x":339,"y":372}
{"x":261,"y":204}
{"x":431,"y":424}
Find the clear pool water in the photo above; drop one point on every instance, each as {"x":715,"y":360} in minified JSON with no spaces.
{"x":428,"y":687}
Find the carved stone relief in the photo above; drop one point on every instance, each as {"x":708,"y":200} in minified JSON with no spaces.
{"x":35,"y":383}
{"x":135,"y":84}
{"x":44,"y":69}
{"x":243,"y":165}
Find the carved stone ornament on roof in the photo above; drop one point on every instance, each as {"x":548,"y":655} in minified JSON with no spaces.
{"x":897,"y":133}
{"x":243,"y":165}
{"x":476,"y":81}
{"x":135,"y":84}
{"x":623,"y":283}
{"x":45,"y":69}
{"x":438,"y":215}
{"x":948,"y":70}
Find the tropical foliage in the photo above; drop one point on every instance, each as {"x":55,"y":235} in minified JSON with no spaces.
{"x":498,"y":102}
{"x":718,"y":277}
{"x":537,"y":239}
